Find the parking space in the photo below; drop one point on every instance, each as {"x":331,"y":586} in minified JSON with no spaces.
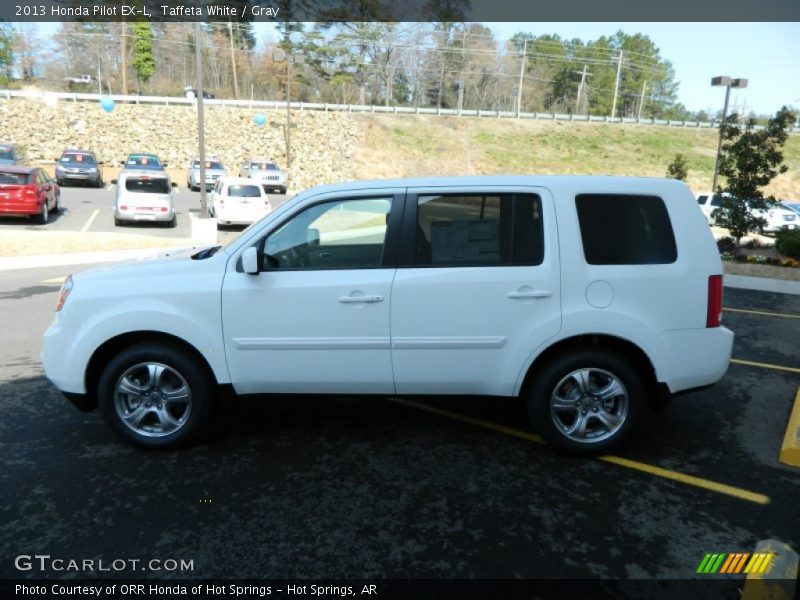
{"x":374,"y":487}
{"x":87,"y":209}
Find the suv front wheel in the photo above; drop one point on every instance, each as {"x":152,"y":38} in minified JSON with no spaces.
{"x":156,"y":396}
{"x":585,"y":402}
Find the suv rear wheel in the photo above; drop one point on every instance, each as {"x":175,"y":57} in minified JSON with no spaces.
{"x":585,"y":402}
{"x":156,"y":396}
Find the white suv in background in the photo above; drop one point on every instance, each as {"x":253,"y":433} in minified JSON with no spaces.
{"x":777,"y":218}
{"x":590,"y":298}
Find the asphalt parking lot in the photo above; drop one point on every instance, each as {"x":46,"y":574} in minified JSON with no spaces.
{"x":379,"y":488}
{"x":88,"y":209}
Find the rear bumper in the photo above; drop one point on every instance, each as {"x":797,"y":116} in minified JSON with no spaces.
{"x":20,"y":208}
{"x":694,"y":358}
{"x":144,"y":217}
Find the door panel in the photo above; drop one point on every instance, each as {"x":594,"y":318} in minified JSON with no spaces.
{"x":468,"y":329}
{"x":316,"y":319}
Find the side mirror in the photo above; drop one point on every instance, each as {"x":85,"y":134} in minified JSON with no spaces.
{"x":101,"y":162}
{"x":122,"y":163}
{"x":250,"y":261}
{"x":165,"y":165}
{"x":312,"y":237}
{"x":174,"y":184}
{"x":113,"y":182}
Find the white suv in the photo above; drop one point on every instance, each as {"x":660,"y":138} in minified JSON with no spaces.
{"x":591,"y":298}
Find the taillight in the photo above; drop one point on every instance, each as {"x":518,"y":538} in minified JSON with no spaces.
{"x":714,"y":314}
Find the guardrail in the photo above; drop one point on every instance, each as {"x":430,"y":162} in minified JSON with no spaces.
{"x":54,"y":97}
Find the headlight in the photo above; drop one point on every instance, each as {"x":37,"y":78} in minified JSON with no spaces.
{"x":92,"y":169}
{"x":66,"y":288}
{"x":59,"y":168}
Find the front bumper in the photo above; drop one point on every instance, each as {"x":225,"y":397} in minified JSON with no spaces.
{"x":58,"y":343}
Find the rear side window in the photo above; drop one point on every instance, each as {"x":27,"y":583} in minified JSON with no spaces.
{"x":147,"y":185}
{"x":479,"y":230}
{"x":244,"y":191}
{"x":625,"y":230}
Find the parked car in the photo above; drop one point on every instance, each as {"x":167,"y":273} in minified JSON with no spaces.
{"x":79,"y":166}
{"x":591,"y":298}
{"x":267,"y":172}
{"x":85,"y":79}
{"x":191,"y":92}
{"x":238,"y":201}
{"x":777,"y":217}
{"x":28,"y":191}
{"x":214,"y":170}
{"x":144,"y":195}
{"x":12,"y":154}
{"x":143,"y":162}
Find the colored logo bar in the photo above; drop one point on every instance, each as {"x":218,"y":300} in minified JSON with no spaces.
{"x":735,"y":562}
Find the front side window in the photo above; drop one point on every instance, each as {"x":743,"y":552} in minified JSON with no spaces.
{"x":619,"y":229}
{"x":340,"y":234}
{"x":478,"y":230}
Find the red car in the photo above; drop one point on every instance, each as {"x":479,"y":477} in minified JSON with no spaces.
{"x":28,"y":191}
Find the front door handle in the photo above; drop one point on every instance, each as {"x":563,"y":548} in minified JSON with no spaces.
{"x":520,"y":294}
{"x":352,"y":299}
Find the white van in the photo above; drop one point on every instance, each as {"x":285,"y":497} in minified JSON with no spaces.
{"x":591,"y":298}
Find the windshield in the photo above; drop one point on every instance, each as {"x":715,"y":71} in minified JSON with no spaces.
{"x":210,"y":164}
{"x":244,"y":191}
{"x":14,"y":178}
{"x":264,"y":166}
{"x":139,"y":161}
{"x":6,"y":154}
{"x":147,"y":185}
{"x":78,"y":158}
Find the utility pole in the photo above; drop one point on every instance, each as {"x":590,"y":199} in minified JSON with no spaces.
{"x":123,"y":54}
{"x":641,"y":101}
{"x":200,"y":121}
{"x":288,"y":101}
{"x":616,"y":86}
{"x":580,"y":88}
{"x":729,"y":83}
{"x":233,"y":62}
{"x":521,"y":75}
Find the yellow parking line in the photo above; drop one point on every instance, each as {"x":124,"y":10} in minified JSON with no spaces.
{"x":761,"y":312}
{"x":790,"y":449}
{"x":90,"y":221}
{"x":699,"y":482}
{"x":750,"y":363}
{"x":54,"y":280}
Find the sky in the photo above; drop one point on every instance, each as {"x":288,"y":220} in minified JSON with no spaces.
{"x":766,"y":54}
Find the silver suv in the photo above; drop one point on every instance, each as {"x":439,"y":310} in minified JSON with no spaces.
{"x":214,"y":170}
{"x":267,"y":172}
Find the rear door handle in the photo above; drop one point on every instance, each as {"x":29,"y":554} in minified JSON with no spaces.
{"x":530,"y":294}
{"x":352,"y":299}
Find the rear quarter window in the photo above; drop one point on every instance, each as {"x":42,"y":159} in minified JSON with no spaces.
{"x":619,"y":229}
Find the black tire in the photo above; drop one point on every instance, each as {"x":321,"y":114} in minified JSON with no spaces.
{"x":555,"y":375}
{"x":44,"y":216}
{"x":282,"y":190}
{"x":196,"y":377}
{"x":174,"y":223}
{"x":118,"y":222}
{"x":60,"y":183}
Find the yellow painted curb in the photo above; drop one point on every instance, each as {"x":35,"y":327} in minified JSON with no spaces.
{"x":790,"y":450}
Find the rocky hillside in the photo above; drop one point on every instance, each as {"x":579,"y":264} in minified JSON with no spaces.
{"x":322,"y":143}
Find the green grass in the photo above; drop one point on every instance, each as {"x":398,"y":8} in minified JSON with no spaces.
{"x":407,"y":146}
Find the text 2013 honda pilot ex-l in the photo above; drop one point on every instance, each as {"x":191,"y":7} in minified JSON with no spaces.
{"x":591,"y":298}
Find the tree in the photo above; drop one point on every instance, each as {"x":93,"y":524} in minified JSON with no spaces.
{"x":678,"y":169}
{"x":6,"y":49}
{"x":750,"y":159}
{"x":144,"y":61}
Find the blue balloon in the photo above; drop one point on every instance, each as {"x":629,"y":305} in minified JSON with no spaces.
{"x":107,"y":103}
{"x":259,"y":119}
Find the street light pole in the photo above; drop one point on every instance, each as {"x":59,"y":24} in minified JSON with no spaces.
{"x":729,"y":83}
{"x":201,"y":136}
